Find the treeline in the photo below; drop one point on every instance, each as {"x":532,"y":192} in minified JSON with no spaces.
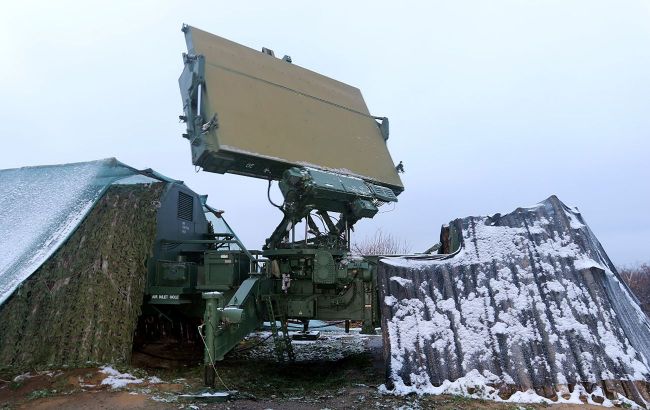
{"x":638,"y":279}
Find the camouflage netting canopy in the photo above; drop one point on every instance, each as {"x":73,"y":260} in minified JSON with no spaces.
{"x":39,"y":208}
{"x":76,"y":239}
{"x":523,"y":302}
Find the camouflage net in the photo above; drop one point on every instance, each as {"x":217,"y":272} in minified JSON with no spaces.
{"x":82,"y":305}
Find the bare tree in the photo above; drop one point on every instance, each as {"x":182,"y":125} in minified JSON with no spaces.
{"x":381,"y":244}
{"x":638,"y":279}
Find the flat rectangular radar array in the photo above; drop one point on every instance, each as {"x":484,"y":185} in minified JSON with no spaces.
{"x":250,"y":113}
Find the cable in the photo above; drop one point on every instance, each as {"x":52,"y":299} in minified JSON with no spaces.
{"x":268,"y":195}
{"x":325,"y":229}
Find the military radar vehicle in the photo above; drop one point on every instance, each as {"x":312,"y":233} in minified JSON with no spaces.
{"x":253,"y":114}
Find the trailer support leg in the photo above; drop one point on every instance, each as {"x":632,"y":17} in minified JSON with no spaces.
{"x":211,"y":324}
{"x":367,"y":326}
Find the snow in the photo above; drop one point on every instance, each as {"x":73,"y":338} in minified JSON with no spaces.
{"x":117,"y":380}
{"x":332,"y":345}
{"x":534,"y":287}
{"x":40,"y":207}
{"x":401,"y":281}
{"x":477,"y":386}
{"x":207,"y":394}
{"x":22,"y":377}
{"x":587,"y":263}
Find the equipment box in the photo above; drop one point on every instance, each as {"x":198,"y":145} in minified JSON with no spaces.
{"x":223,"y":270}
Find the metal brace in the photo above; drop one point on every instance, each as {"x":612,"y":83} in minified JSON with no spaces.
{"x":383,"y":127}
{"x":213,"y":123}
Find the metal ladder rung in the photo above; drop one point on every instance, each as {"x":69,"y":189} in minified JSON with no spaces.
{"x":282,"y":343}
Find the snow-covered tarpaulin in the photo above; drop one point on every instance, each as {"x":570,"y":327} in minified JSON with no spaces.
{"x":528,"y":306}
{"x":41,"y":206}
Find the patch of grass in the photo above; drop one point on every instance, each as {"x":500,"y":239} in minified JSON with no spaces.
{"x":461,"y":399}
{"x":15,"y":385}
{"x":39,"y":394}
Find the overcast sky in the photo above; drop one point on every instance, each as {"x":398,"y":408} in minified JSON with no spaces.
{"x":492,"y":105}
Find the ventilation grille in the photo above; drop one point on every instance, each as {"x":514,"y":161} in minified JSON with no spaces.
{"x":185,"y":206}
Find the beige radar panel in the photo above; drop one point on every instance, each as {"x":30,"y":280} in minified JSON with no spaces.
{"x":250,"y":113}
